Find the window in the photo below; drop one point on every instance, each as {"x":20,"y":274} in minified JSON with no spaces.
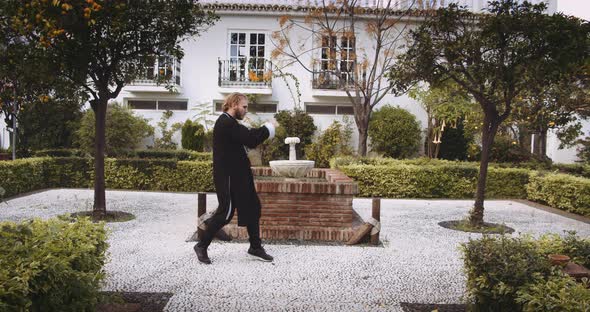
{"x":172,"y":105}
{"x":329,"y":109}
{"x":134,"y":104}
{"x":158,"y":104}
{"x":328,"y":58}
{"x":347,"y":59}
{"x":247,"y":56}
{"x":321,"y":109}
{"x":335,"y":56}
{"x":345,"y":110}
{"x":256,"y":108}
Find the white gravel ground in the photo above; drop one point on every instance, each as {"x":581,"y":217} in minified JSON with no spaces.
{"x":418,"y":262}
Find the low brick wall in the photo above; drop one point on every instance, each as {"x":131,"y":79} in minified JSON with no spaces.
{"x":303,"y":210}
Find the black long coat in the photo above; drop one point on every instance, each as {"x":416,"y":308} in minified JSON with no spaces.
{"x":232,"y":175}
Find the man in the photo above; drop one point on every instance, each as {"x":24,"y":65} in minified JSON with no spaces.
{"x":233,"y":178}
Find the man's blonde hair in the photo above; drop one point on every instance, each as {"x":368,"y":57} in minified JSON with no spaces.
{"x":233,"y":100}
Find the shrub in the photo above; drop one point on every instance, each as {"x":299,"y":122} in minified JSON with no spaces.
{"x":333,"y":141}
{"x":165,"y":141}
{"x":50,"y":122}
{"x":582,"y":170}
{"x":295,"y":123}
{"x":193,"y":135}
{"x":558,"y":293}
{"x":59,"y":152}
{"x":395,"y":132}
{"x":123,"y":130}
{"x":578,"y":249}
{"x":497,"y":267}
{"x":454,"y":144}
{"x":506,"y":149}
{"x":170,"y":154}
{"x":51,"y":265}
{"x":584,"y":150}
{"x":561,"y":191}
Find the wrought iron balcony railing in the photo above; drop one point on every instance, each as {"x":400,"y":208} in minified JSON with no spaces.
{"x":335,"y":79}
{"x":245,"y":72}
{"x":160,"y":71}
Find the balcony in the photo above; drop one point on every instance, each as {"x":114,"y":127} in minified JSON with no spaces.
{"x":161,"y":74}
{"x":332,"y":83}
{"x":245,"y":75}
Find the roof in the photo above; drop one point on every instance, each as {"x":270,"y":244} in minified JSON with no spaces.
{"x":284,"y":6}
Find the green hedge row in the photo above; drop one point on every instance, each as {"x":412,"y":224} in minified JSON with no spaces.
{"x":52,"y":265}
{"x":75,"y":172}
{"x":441,"y":181}
{"x":143,"y":154}
{"x":23,"y":175}
{"x":390,"y":179}
{"x":561,"y":191}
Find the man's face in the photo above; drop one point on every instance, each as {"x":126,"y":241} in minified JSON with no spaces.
{"x":241,"y":109}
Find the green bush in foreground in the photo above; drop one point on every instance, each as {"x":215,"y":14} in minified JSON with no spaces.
{"x":514,"y":273}
{"x":556,"y":294}
{"x":51,"y":265}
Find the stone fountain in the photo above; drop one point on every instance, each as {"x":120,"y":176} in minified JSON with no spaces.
{"x":292,"y":168}
{"x":302,"y":203}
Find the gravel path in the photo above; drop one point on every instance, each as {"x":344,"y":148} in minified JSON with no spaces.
{"x":418,"y":262}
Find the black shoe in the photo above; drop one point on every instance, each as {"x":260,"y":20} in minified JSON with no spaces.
{"x":202,"y":254}
{"x":260,"y":254}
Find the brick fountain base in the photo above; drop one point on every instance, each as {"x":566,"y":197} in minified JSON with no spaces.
{"x":318,"y":207}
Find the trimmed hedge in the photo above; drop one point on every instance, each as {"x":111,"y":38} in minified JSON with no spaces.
{"x":137,"y":174}
{"x":51,"y":265}
{"x":143,"y":154}
{"x":389,"y":178}
{"x":441,"y":181}
{"x":23,"y":175}
{"x":561,"y":191}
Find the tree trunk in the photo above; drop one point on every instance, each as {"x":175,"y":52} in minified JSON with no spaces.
{"x":430,"y":138}
{"x":362,"y":146}
{"x":543,"y":143}
{"x":99,"y":146}
{"x":488,"y":133}
{"x":362,"y":118}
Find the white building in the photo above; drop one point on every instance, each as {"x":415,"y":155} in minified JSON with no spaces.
{"x":235,"y":52}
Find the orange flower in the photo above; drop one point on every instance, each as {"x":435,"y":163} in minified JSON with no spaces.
{"x":253,"y":77}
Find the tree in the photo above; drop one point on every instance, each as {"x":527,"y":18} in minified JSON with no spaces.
{"x":339,"y":58}
{"x":559,"y":106}
{"x":51,"y":121}
{"x":494,"y":57}
{"x":444,"y":106}
{"x":25,"y":77}
{"x":103,"y":45}
{"x":123,"y":131}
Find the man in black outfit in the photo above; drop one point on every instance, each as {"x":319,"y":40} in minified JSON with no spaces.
{"x":233,"y":178}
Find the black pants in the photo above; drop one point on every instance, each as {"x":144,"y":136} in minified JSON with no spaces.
{"x":217,"y":221}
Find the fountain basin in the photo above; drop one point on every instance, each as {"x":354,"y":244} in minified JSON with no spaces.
{"x":292,"y":168}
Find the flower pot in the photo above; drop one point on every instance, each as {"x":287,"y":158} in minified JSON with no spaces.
{"x":560,"y":260}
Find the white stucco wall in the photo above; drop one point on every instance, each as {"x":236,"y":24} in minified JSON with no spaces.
{"x":4,"y":134}
{"x":199,"y":82}
{"x":566,"y":155}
